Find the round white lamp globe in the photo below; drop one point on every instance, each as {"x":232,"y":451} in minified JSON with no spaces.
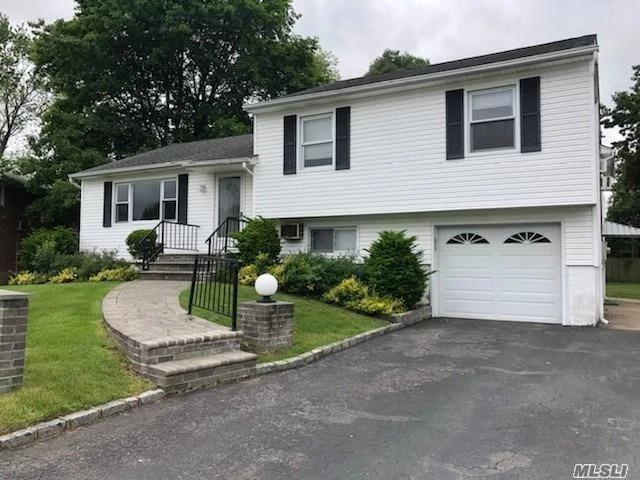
{"x":266,"y":285}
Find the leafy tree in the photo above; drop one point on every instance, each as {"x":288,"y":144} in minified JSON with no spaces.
{"x":133,"y":75}
{"x":21,"y":94}
{"x":393,"y":60}
{"x":625,"y":206}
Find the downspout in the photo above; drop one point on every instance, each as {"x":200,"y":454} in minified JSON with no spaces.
{"x":78,"y":186}
{"x":253,"y":188}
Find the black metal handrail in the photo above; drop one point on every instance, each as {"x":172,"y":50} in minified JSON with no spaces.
{"x":214,"y":286}
{"x":220,"y":241}
{"x":167,"y":235}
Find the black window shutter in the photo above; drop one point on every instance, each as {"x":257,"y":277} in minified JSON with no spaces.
{"x":290,"y":153}
{"x":106,"y":206}
{"x":343,"y":138}
{"x":530,"y":115}
{"x":183,"y":197}
{"x":455,"y":124}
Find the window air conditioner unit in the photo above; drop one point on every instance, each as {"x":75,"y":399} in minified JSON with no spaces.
{"x":292,"y":231}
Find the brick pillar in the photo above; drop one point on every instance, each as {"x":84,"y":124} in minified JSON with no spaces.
{"x":13,"y":334}
{"x":266,"y":326}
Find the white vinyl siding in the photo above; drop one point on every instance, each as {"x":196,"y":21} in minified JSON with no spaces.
{"x":202,"y":209}
{"x":578,"y":228}
{"x":398,"y":160}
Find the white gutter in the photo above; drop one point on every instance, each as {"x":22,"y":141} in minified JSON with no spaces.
{"x":282,"y":102}
{"x":253,"y":188}
{"x":79,"y":187}
{"x":164,"y":165}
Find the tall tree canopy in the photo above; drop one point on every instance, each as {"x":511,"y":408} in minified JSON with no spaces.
{"x":393,"y":60}
{"x":625,"y":206}
{"x":133,"y":75}
{"x":21,"y":94}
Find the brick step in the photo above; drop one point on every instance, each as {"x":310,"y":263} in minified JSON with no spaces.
{"x":177,"y":257}
{"x":199,"y":372}
{"x":166,"y":275}
{"x":187,"y":347}
{"x":164,"y":266}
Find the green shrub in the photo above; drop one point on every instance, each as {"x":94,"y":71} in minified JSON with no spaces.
{"x":349,"y":290}
{"x":374,"y":305}
{"x":314,"y":275}
{"x":247,"y":275}
{"x":263,"y":263}
{"x":88,"y":264}
{"x":39,"y":248}
{"x":393,"y":268}
{"x":121,"y":274}
{"x":278,"y":272}
{"x":259,"y":236}
{"x":136,"y":249}
{"x":27,"y":278}
{"x":67,"y":275}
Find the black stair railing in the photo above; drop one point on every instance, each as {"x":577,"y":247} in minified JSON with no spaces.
{"x":167,"y":236}
{"x":214,"y":286}
{"x":220,"y":242}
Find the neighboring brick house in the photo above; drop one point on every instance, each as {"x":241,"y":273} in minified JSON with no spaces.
{"x":13,"y":201}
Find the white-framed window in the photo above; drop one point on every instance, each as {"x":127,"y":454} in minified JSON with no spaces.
{"x":492,"y":119}
{"x":146,"y":200}
{"x":334,"y":240}
{"x":316,"y":140}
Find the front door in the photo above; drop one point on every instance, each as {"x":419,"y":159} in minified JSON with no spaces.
{"x":229,"y":199}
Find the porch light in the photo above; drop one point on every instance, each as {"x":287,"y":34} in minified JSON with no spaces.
{"x":266,"y":285}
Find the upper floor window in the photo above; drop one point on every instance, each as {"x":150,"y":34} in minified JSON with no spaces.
{"x":147,"y":200}
{"x":492,"y":119}
{"x":317,"y":140}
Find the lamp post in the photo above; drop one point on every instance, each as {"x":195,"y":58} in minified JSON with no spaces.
{"x":266,"y":285}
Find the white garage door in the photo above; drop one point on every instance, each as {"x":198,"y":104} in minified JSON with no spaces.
{"x":502,"y":272}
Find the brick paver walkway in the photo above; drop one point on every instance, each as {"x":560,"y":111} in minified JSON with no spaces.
{"x":148,"y":310}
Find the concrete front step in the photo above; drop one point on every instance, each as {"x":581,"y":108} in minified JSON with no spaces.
{"x":166,"y":266}
{"x":198,"y":372}
{"x":166,"y":275}
{"x":177,"y":257}
{"x":182,"y":348}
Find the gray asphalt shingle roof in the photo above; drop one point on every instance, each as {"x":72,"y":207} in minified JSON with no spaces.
{"x":240,"y":146}
{"x":567,"y":44}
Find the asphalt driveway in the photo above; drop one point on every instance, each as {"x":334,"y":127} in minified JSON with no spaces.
{"x":445,"y":400}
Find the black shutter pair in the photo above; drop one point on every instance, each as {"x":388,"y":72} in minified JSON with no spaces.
{"x":183,"y":198}
{"x":343,"y":141}
{"x":530,"y":137}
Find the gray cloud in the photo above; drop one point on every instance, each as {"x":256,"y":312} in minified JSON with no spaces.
{"x":356,"y":31}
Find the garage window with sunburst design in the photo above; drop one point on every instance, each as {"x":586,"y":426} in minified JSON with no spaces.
{"x":467,"y":239}
{"x":527,"y":238}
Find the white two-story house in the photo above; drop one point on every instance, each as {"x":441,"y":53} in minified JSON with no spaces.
{"x":492,"y":162}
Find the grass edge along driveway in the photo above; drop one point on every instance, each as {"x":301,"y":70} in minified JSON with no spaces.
{"x":623,"y":290}
{"x":316,"y":323}
{"x":70,"y":363}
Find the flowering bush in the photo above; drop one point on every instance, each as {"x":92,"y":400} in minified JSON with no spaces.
{"x":247,"y":275}
{"x":349,"y":290}
{"x":66,"y":275}
{"x":27,"y":278}
{"x":122,"y":274}
{"x":374,"y":305}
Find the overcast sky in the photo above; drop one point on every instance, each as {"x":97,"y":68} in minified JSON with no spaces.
{"x":356,"y":31}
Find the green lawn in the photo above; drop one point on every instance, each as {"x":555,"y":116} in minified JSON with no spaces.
{"x":70,"y":363}
{"x":316,"y":323}
{"x":623,"y":290}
